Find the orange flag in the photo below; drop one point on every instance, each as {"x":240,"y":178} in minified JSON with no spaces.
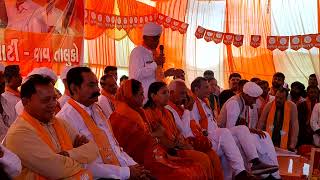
{"x":228,"y":38}
{"x":255,"y":41}
{"x":161,"y":18}
{"x":272,"y":42}
{"x":296,"y":42}
{"x":238,"y":40}
{"x":282,"y":43}
{"x":200,"y":32}
{"x":141,"y":21}
{"x":119,"y":23}
{"x":217,"y":38}
{"x":101,"y":20}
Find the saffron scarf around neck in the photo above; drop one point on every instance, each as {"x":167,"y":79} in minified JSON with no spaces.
{"x":65,"y":140}
{"x":101,"y":139}
{"x":285,"y":125}
{"x":203,"y":117}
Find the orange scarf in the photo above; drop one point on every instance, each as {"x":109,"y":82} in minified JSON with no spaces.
{"x":285,"y":124}
{"x":14,"y":92}
{"x":63,"y":137}
{"x":263,"y":103}
{"x":203,"y":117}
{"x":178,"y":109}
{"x":99,"y":136}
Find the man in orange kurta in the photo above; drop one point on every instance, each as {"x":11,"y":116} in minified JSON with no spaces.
{"x":133,"y":133}
{"x":163,"y":127}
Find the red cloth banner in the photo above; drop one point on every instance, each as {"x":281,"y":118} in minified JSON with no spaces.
{"x":238,"y":40}
{"x":317,"y":41}
{"x":272,"y":42}
{"x":308,"y":41}
{"x":283,"y":43}
{"x":218,"y":36}
{"x":255,"y":41}
{"x":296,"y":42}
{"x":200,"y":32}
{"x":183,"y":28}
{"x":228,"y":38}
{"x":208,"y":35}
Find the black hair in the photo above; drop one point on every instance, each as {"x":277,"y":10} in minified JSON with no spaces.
{"x":208,"y":73}
{"x":197,"y":83}
{"x":110,"y":68}
{"x":280,"y":75}
{"x":313,"y":87}
{"x":153,"y":89}
{"x":74,"y":76}
{"x":225,"y":95}
{"x":313,"y":76}
{"x":234,"y":75}
{"x":242,"y":82}
{"x":263,"y":82}
{"x":29,"y":87}
{"x":255,"y":80}
{"x":283,"y":90}
{"x":299,"y":85}
{"x":124,"y":77}
{"x":135,"y":86}
{"x":105,"y":77}
{"x":11,"y":71}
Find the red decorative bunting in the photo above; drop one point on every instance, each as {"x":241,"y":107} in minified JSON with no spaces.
{"x":317,"y":41}
{"x":119,"y":23}
{"x":208,"y":35}
{"x":228,"y":38}
{"x":167,"y":22}
{"x":283,"y":43}
{"x":141,"y":21}
{"x":86,"y":16}
{"x":183,"y":28}
{"x":175,"y":24}
{"x":101,"y":20}
{"x":93,"y":18}
{"x":271,"y":42}
{"x":308,"y":41}
{"x":217,"y":37}
{"x":238,"y":40}
{"x":296,"y":42}
{"x":200,"y":32}
{"x":255,"y":41}
{"x":161,"y":18}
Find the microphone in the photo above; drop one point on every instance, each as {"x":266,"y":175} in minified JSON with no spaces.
{"x":161,"y":47}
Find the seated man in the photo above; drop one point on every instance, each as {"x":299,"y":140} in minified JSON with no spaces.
{"x":236,"y":112}
{"x":10,"y":162}
{"x":221,"y":136}
{"x":264,"y":98}
{"x":84,"y":115}
{"x":315,"y":124}
{"x":111,"y":70}
{"x":107,"y":100}
{"x":164,"y":128}
{"x":213,"y":97}
{"x":48,"y":147}
{"x":296,"y":92}
{"x":280,"y":119}
{"x":129,"y":121}
{"x":180,"y":105}
{"x":304,"y":115}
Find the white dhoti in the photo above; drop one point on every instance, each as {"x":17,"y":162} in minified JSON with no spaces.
{"x":223,"y":143}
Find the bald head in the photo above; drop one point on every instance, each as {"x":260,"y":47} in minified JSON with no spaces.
{"x":178,"y":91}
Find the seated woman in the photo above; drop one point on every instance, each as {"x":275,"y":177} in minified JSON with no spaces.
{"x":164,"y":128}
{"x":132,"y":131}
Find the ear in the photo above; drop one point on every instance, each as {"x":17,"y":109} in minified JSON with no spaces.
{"x":153,"y":95}
{"x":73,"y":88}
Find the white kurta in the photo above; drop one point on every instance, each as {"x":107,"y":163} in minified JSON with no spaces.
{"x":222,"y":142}
{"x":230,"y":113}
{"x":7,"y":117}
{"x":10,"y":162}
{"x":98,"y":168}
{"x":315,"y":123}
{"x":105,"y":105}
{"x":142,"y":67}
{"x":63,"y":100}
{"x":10,"y":101}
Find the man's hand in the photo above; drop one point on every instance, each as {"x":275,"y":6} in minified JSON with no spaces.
{"x":79,"y":141}
{"x":64,"y":153}
{"x":160,"y":60}
{"x":169,"y":72}
{"x":139,"y":172}
{"x":260,"y":133}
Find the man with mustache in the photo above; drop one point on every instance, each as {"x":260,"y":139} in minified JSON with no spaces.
{"x":277,"y":83}
{"x":84,"y":115}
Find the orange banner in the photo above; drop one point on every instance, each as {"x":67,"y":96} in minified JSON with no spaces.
{"x":308,"y":41}
{"x":238,"y":40}
{"x":255,"y":41}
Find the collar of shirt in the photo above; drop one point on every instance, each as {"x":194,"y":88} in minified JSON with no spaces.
{"x":26,"y":5}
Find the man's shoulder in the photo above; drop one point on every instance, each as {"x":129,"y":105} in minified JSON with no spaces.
{"x":139,"y":49}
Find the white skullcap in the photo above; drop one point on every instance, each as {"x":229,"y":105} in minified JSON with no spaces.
{"x":44,"y":71}
{"x":65,"y":72}
{"x":2,"y":68}
{"x":252,"y":89}
{"x":152,"y":29}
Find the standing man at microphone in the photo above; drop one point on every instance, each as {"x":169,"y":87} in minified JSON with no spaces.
{"x":145,"y":64}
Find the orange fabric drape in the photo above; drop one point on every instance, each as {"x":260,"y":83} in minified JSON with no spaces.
{"x":249,"y":17}
{"x":173,"y":41}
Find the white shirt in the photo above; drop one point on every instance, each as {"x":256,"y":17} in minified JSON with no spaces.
{"x":142,"y":67}
{"x":212,"y":125}
{"x":28,"y":17}
{"x":6,"y":118}
{"x":315,"y":117}
{"x":105,"y":105}
{"x":9,"y":103}
{"x":98,"y":168}
{"x":19,"y":107}
{"x":11,"y":162}
{"x":183,"y":123}
{"x":63,"y":100}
